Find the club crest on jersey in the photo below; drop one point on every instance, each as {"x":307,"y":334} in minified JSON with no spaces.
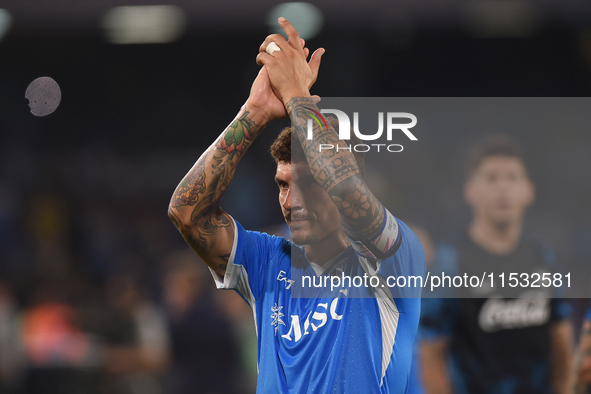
{"x":276,"y":316}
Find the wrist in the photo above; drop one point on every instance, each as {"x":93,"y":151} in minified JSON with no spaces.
{"x":290,"y":95}
{"x":256,"y":114}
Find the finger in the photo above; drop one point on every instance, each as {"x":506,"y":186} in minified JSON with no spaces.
{"x":276,"y":38}
{"x":292,"y":34}
{"x":316,"y":98}
{"x":302,"y":42}
{"x":264,"y":58}
{"x":315,"y":60}
{"x":306,"y":53}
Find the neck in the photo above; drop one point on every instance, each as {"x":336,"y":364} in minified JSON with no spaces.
{"x":323,"y":251}
{"x":500,"y":239}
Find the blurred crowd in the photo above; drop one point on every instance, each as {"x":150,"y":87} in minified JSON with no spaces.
{"x":100,"y":296}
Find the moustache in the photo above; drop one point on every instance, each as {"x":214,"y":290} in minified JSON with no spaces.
{"x":297,"y":215}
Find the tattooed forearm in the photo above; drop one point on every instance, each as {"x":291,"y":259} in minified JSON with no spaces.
{"x":194,"y":206}
{"x":361,"y":211}
{"x":336,"y":170}
{"x":211,"y":175}
{"x":328,"y":166}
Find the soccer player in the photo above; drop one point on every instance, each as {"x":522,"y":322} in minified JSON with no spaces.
{"x":493,"y":344}
{"x":337,"y":341}
{"x":583,"y":358}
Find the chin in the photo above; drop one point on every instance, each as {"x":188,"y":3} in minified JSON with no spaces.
{"x":299,"y":238}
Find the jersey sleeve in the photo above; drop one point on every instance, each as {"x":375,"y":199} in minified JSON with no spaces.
{"x":560,"y":309}
{"x":384,"y":243}
{"x":406,"y":258}
{"x":397,"y":256}
{"x":438,"y":318}
{"x":439,"y":315}
{"x":247,"y":266}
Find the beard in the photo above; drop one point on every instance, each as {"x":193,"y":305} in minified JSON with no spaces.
{"x":302,"y":238}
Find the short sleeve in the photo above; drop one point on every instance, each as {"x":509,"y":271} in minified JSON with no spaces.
{"x":382,"y":244}
{"x":560,"y":310}
{"x":439,"y":315}
{"x":247,"y":267}
{"x":438,"y":318}
{"x":408,"y":260}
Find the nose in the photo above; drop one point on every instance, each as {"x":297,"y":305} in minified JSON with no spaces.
{"x":286,"y":199}
{"x":292,"y":199}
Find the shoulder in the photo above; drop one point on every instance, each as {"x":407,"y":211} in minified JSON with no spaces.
{"x":447,"y":252}
{"x":261,"y":238}
{"x":539,"y":248}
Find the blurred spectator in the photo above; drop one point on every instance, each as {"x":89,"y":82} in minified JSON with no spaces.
{"x":61,"y":358}
{"x":142,"y":362}
{"x":205,"y":353}
{"x":582,"y":370}
{"x":11,"y":353}
{"x":493,"y":344}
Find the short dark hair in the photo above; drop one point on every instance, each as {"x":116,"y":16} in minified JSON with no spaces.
{"x":282,"y":150}
{"x":495,"y":145}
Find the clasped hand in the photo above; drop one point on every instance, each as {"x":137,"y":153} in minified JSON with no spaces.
{"x":285,"y":74}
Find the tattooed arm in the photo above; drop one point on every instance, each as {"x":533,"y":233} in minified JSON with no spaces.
{"x":195,"y":205}
{"x":362,"y":214}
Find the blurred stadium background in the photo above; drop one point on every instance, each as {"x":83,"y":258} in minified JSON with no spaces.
{"x":99,"y":293}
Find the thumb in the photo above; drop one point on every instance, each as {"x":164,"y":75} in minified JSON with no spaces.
{"x":315,"y":60}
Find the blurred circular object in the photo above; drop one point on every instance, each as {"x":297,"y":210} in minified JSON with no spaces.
{"x":305,"y":17}
{"x":44,"y":96}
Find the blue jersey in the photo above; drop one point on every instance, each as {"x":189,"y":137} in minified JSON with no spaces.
{"x":337,"y":342}
{"x":588,"y":314}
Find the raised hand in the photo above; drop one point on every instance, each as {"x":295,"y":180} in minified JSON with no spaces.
{"x":289,"y":72}
{"x":262,"y":97}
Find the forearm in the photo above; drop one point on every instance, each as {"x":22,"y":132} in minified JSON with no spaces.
{"x":562,"y":350}
{"x":435,"y":376}
{"x":194,"y":206}
{"x":581,"y":375}
{"x":336,"y":170}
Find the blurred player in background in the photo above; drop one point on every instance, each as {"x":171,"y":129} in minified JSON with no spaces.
{"x":493,"y":344}
{"x":583,"y":358}
{"x":337,"y":342}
